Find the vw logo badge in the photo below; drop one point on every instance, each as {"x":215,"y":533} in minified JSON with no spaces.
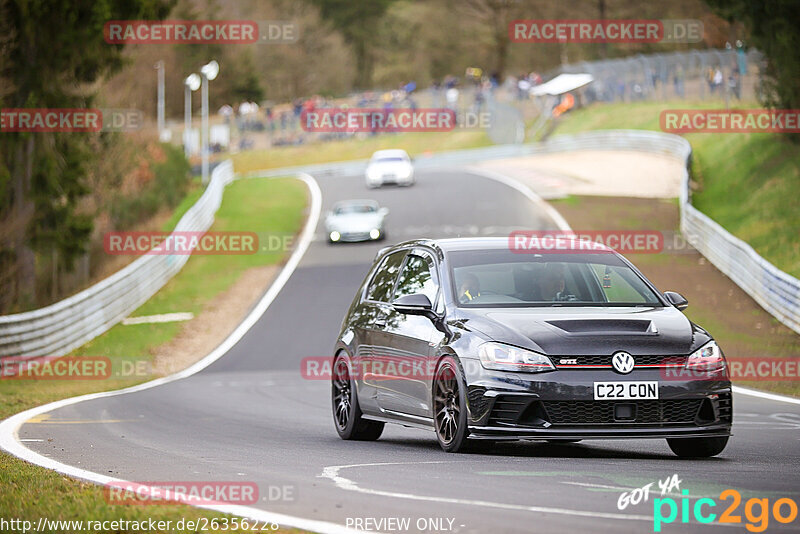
{"x":622,"y":362}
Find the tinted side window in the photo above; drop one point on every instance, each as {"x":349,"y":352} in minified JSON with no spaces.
{"x":417,"y":278}
{"x":383,"y":282}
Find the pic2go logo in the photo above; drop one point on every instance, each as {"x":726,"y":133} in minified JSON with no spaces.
{"x":756,"y":511}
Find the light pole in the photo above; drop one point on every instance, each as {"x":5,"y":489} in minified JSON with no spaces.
{"x":191,"y":83}
{"x":208,"y":71}
{"x":160,"y":108}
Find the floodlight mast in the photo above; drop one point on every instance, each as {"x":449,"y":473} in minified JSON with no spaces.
{"x":208,"y":71}
{"x":191,"y":83}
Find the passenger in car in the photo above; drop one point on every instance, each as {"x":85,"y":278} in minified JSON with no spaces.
{"x":470,"y":288}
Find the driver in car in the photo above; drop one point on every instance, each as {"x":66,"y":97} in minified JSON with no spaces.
{"x":470,"y":288}
{"x":552,"y":283}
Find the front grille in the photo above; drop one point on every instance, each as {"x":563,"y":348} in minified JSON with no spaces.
{"x":602,"y":412}
{"x":354,"y":236}
{"x":649,"y":359}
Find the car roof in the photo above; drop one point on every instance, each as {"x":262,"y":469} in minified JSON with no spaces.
{"x":566,"y":243}
{"x":390,"y":153}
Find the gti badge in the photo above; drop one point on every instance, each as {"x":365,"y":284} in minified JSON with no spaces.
{"x":622,"y":362}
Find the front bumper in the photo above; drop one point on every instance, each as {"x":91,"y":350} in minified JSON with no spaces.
{"x":561,"y":405}
{"x":354,"y":237}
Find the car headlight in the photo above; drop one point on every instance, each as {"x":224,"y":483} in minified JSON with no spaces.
{"x":507,"y":358}
{"x":707,"y":358}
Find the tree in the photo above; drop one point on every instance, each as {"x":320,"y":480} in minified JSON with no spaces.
{"x":774,"y":30}
{"x":55,"y":50}
{"x":357,"y":21}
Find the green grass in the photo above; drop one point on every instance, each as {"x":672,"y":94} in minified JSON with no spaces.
{"x":257,"y":205}
{"x":747,"y":182}
{"x":353,"y":149}
{"x":30,"y":492}
{"x":264,"y":206}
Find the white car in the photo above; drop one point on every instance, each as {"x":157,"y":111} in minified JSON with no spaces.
{"x":390,"y":167}
{"x":356,"y":220}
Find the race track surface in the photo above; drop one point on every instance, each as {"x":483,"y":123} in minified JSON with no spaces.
{"x":250,"y":416}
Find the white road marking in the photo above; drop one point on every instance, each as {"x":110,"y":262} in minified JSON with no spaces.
{"x":669,"y":493}
{"x":332,"y":473}
{"x":765,"y":395}
{"x":551,"y":212}
{"x":9,"y":428}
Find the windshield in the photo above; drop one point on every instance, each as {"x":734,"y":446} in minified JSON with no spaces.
{"x":354,"y":208}
{"x":389,"y":159}
{"x":501,"y":278}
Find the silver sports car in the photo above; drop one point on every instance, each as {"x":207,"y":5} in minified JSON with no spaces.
{"x":356,"y":220}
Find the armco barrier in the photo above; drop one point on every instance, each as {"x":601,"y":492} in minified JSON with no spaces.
{"x":72,"y":322}
{"x":69,"y":323}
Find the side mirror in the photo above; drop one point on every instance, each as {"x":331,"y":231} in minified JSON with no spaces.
{"x":676,"y":299}
{"x":416,"y":304}
{"x":383,"y":211}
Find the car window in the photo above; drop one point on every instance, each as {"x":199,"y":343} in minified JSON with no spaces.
{"x":417,"y":277}
{"x":390,"y":159}
{"x":617,"y":285}
{"x":354,"y":208}
{"x":380,"y":288}
{"x":503,"y":279}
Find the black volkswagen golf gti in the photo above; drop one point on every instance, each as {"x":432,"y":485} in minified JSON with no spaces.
{"x":477,"y":341}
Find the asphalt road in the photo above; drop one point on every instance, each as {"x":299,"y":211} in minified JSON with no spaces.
{"x":250,"y":416}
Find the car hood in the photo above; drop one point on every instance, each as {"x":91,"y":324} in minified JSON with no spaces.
{"x":354,"y":222}
{"x":570,"y":331}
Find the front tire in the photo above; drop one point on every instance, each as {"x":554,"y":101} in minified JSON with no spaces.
{"x":450,"y":406}
{"x":347,"y":416}
{"x":697,"y":447}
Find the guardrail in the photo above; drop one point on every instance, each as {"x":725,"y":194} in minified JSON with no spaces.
{"x":61,"y":327}
{"x":68,"y":324}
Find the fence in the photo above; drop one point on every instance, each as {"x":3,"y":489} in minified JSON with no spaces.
{"x":69,"y":323}
{"x":674,"y":75}
{"x":730,"y":75}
